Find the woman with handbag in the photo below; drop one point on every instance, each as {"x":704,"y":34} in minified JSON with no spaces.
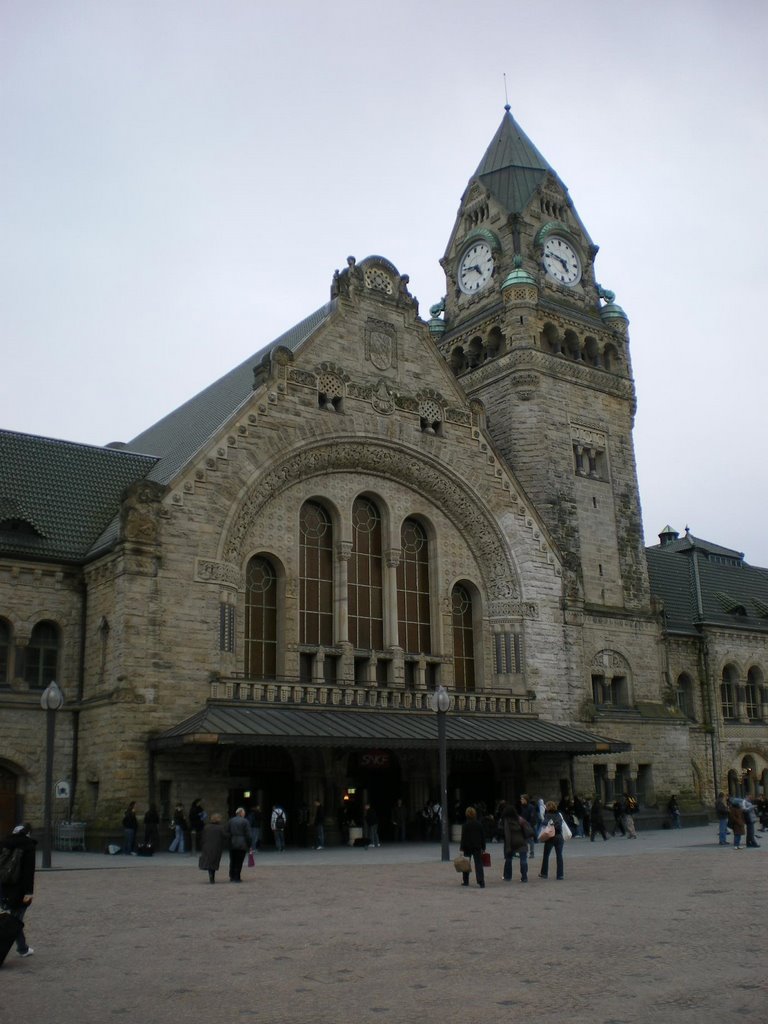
{"x":551,"y":834}
{"x":473,"y":845}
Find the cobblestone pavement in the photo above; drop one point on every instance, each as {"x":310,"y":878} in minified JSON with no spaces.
{"x":669,"y":928}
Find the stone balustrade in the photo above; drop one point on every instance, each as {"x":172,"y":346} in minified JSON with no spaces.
{"x":345,"y":695}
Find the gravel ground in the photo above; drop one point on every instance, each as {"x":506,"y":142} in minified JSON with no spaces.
{"x":668,"y":928}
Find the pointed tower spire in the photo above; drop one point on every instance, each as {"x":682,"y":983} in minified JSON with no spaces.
{"x":512,"y":167}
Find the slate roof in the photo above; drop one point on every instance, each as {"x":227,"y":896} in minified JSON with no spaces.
{"x":701,"y":583}
{"x":178,"y":436}
{"x":305,"y":727}
{"x":512,"y":168}
{"x":56,"y":497}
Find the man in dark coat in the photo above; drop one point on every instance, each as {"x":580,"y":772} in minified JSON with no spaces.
{"x":239,"y":834}
{"x":16,"y":896}
{"x":517,"y":832}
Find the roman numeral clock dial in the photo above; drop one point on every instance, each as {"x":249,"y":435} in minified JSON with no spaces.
{"x":561,"y":262}
{"x":475,"y":268}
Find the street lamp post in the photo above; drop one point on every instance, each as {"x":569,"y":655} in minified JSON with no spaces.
{"x":51,"y":700}
{"x":440,"y":701}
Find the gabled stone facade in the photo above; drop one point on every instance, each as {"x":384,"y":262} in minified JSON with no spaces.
{"x":499,"y":433}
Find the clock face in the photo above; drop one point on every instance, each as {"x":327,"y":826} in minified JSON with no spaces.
{"x":475,"y":268}
{"x":560,"y":261}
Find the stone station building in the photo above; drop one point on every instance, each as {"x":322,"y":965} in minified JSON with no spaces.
{"x":254,"y":599}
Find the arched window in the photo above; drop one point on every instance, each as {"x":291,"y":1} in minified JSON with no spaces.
{"x":316,"y":576}
{"x":413,"y":610}
{"x":752,"y":694}
{"x":42,"y":655}
{"x":366,"y":600}
{"x":684,"y":694}
{"x":463,"y":640}
{"x":5,"y":652}
{"x":728,"y":691}
{"x":260,"y":619}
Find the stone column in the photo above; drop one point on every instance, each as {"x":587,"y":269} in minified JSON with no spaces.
{"x":341,"y":591}
{"x":391,"y":562}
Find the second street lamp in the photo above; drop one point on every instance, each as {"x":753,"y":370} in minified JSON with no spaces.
{"x":51,"y":700}
{"x":440,"y":701}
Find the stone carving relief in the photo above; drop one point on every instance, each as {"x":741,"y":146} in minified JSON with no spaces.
{"x":139,"y":512}
{"x":207,"y":571}
{"x":381,"y":344}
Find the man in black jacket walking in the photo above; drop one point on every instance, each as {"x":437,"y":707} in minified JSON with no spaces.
{"x":16,"y":896}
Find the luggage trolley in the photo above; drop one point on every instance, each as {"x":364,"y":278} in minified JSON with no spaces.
{"x":70,"y":835}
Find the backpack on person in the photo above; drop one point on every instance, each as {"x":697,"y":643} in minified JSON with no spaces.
{"x":280,"y":821}
{"x":10,"y":865}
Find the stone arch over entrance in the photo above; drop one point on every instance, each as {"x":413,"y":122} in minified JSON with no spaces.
{"x":435,"y":481}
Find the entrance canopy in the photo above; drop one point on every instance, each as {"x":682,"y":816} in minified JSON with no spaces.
{"x":256,"y":726}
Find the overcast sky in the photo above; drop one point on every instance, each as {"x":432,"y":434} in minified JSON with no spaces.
{"x":181,"y":178}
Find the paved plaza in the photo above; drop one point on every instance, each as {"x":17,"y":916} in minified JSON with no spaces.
{"x":669,"y":927}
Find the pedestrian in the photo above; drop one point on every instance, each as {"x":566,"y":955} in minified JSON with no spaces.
{"x":628,"y":808}
{"x":399,"y":821}
{"x":278,"y":822}
{"x":211,"y":847}
{"x":529,"y":811}
{"x":580,"y":818}
{"x":16,"y":895}
{"x":736,"y":821}
{"x":750,"y":820}
{"x":197,"y":819}
{"x":618,"y":818}
{"x":152,"y":827}
{"x":130,"y":828}
{"x":516,"y":830}
{"x":179,"y":826}
{"x":552,"y":827}
{"x":721,"y":810}
{"x":239,"y":834}
{"x":319,"y":823}
{"x":372,"y":825}
{"x":597,"y":822}
{"x":256,"y":821}
{"x":674,"y":812}
{"x":473,"y":846}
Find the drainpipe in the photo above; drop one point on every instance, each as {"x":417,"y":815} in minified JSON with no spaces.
{"x":710,"y":706}
{"x":80,"y":692}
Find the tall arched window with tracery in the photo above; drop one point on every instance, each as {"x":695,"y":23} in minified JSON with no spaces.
{"x":752,"y":694}
{"x":413,"y":606}
{"x":728,"y":691}
{"x":365,"y":579}
{"x":260,"y":619}
{"x":463,"y":640}
{"x":42,"y":655}
{"x":315,"y":576}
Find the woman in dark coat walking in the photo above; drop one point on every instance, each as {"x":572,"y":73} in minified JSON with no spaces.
{"x":472,"y":845}
{"x":211,"y":847}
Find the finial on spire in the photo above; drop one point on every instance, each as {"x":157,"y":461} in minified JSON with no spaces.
{"x":506,"y":95}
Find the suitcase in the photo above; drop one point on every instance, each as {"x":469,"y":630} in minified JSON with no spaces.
{"x":9,"y":929}
{"x":144,"y":850}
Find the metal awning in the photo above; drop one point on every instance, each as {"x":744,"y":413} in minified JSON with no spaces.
{"x":257,"y":726}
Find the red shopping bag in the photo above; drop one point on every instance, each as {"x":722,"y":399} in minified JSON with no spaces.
{"x":251,"y":859}
{"x":486,"y":859}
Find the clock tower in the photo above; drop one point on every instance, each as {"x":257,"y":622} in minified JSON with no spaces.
{"x":530,"y":332}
